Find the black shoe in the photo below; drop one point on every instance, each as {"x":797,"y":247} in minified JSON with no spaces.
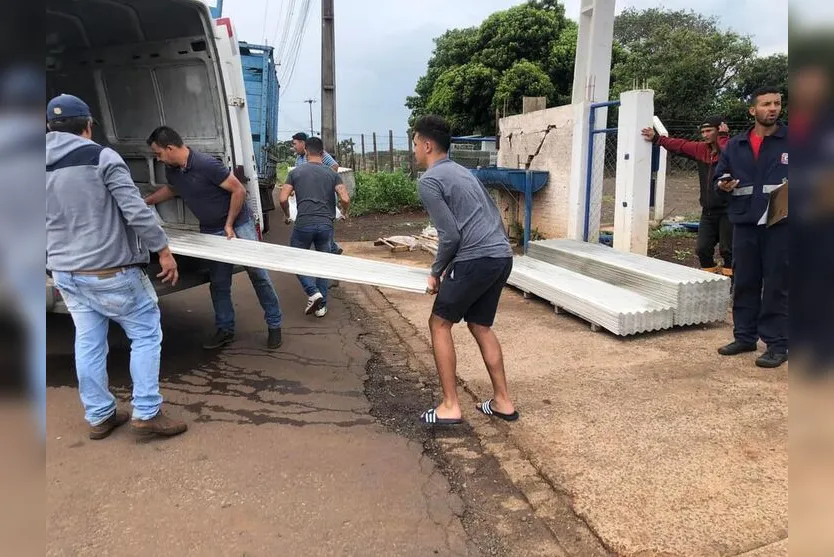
{"x":735,"y":348}
{"x":772,"y":359}
{"x":220,"y":338}
{"x":274,"y":340}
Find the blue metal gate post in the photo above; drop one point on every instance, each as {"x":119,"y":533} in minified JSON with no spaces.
{"x":592,"y":120}
{"x":528,"y":207}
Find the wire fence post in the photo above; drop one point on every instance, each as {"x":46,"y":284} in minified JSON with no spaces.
{"x":362,"y":164}
{"x":410,"y":154}
{"x":376,"y":154}
{"x":391,"y":148}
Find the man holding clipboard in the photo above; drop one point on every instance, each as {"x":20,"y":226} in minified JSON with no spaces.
{"x":753,"y":173}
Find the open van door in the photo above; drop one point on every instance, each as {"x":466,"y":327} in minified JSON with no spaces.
{"x":143,"y":63}
{"x":232,"y":71}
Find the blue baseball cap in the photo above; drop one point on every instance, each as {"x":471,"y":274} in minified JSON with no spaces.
{"x":67,"y":106}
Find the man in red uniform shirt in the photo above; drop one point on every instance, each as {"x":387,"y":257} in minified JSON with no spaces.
{"x":715,"y":227}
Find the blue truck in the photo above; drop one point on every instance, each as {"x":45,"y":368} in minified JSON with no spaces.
{"x":262,"y":92}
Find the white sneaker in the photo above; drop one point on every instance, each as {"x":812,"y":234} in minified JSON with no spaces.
{"x":321,"y":312}
{"x":314,"y":302}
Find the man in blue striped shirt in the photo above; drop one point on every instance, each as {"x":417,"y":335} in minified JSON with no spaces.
{"x":299,"y":143}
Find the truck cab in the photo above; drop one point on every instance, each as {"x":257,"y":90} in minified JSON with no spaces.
{"x":144,"y":63}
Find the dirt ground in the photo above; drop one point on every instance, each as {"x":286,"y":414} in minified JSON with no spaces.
{"x":682,"y":193}
{"x":676,"y":249}
{"x":370,"y":227}
{"x":652,"y":446}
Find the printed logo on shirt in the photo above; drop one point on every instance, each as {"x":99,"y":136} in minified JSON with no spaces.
{"x":784,"y":158}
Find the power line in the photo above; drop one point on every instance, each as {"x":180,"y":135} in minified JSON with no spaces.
{"x":266,"y":18}
{"x":287,"y":20}
{"x":295,"y":46}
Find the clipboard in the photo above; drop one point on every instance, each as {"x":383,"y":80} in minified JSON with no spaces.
{"x":777,"y":209}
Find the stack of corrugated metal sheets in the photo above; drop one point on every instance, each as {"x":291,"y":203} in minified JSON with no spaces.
{"x":616,"y":309}
{"x":297,"y":261}
{"x":695,"y":295}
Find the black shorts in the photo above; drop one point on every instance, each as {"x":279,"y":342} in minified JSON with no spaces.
{"x":471,"y":290}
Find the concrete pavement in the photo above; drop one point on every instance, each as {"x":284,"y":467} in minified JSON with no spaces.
{"x":312,"y":449}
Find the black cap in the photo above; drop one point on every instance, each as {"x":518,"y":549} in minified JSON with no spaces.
{"x":301,"y":136}
{"x":712,"y":122}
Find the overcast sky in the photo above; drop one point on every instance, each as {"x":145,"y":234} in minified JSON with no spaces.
{"x":383,"y":46}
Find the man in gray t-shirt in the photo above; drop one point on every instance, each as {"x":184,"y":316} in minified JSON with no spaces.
{"x":315,"y":187}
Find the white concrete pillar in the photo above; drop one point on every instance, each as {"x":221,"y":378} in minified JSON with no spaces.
{"x":634,"y":169}
{"x":591,"y":83}
{"x":660,"y":183}
{"x":592,"y":69}
{"x":578,"y":165}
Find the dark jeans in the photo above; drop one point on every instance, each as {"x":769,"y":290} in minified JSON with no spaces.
{"x":715,"y":229}
{"x":319,"y":236}
{"x":221,"y":287}
{"x":760,"y":296}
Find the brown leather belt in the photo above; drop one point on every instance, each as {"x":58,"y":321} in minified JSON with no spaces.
{"x":104,"y":273}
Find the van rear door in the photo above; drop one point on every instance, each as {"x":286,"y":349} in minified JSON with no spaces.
{"x":140,"y":64}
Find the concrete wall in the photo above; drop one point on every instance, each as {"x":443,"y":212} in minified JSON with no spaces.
{"x":540,"y":140}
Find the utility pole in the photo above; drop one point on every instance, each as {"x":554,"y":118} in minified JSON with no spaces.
{"x":310,"y":102}
{"x":328,"y":77}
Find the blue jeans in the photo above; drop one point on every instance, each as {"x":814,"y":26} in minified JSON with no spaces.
{"x":129,"y":299}
{"x":221,"y":287}
{"x":320,"y":236}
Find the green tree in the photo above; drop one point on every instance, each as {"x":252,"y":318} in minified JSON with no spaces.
{"x":524,"y":78}
{"x":523,"y":32}
{"x":684,"y":57}
{"x":695,"y":66}
{"x":464,"y":94}
{"x":769,"y":70}
{"x":454,"y":48}
{"x":468,"y":66}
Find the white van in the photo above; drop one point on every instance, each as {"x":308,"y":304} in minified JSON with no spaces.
{"x":143,"y":63}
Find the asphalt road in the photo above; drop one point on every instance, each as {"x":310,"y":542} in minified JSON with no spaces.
{"x":282,"y":456}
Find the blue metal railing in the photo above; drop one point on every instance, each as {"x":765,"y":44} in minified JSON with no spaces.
{"x":592,"y":131}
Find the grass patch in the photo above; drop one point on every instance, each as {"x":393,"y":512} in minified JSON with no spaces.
{"x":661,"y":233}
{"x":384,"y":192}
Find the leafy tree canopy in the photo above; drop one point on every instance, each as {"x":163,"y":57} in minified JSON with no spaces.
{"x":695,"y":66}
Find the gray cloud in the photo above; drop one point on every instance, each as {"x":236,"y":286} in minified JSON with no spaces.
{"x":382,"y":47}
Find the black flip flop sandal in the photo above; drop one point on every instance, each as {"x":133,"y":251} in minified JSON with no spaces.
{"x":486,"y":408}
{"x":429,"y":417}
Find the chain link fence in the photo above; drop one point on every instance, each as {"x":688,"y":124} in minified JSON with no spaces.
{"x":682,"y":183}
{"x":375,"y":152}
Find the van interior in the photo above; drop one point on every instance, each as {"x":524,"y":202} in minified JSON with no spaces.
{"x":140,"y":64}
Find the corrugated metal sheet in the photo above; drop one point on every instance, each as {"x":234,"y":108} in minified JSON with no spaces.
{"x":697,"y":296}
{"x":285,"y":259}
{"x":616,"y":309}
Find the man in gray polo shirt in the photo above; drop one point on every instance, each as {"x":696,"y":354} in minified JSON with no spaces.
{"x":474,"y":259}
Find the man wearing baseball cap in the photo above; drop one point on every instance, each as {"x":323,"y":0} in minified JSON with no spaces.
{"x":715,"y":226}
{"x":98,"y":235}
